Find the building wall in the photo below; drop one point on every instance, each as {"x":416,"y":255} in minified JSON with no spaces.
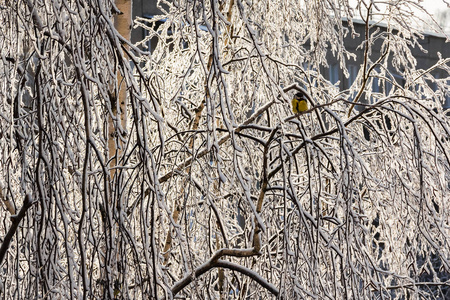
{"x":432,"y":43}
{"x":143,"y":8}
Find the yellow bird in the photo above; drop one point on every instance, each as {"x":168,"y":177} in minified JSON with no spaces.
{"x":299,"y":103}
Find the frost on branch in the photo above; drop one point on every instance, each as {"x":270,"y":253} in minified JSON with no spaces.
{"x":216,"y":190}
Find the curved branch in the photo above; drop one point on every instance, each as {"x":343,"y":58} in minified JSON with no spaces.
{"x":202,"y":269}
{"x":213,"y":262}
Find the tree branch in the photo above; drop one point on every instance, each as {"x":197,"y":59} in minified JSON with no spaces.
{"x":27,"y":202}
{"x":210,"y":264}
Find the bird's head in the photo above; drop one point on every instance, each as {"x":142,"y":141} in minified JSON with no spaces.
{"x":299,"y":96}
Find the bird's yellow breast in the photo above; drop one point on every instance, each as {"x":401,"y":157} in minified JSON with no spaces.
{"x":302,"y":105}
{"x":299,"y":106}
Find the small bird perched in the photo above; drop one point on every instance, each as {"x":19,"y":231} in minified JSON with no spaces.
{"x":299,"y":103}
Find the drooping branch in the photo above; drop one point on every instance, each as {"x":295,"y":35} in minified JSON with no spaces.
{"x":16,"y":219}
